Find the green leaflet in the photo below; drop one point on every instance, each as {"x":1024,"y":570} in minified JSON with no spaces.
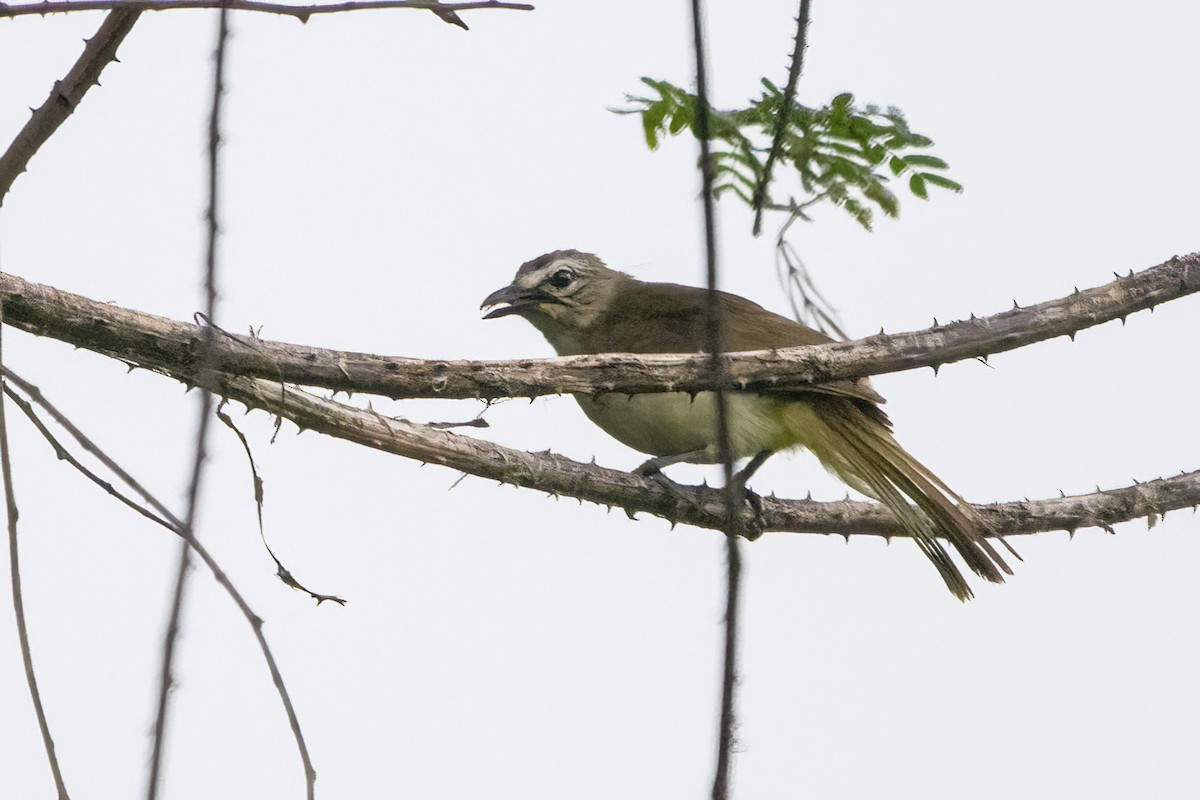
{"x":829,"y":153}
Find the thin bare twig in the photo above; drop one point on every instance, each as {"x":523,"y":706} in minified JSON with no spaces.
{"x":809,"y":306}
{"x":176,"y":525}
{"x":14,"y":565}
{"x":717,"y":372}
{"x":281,"y":572}
{"x":301,"y":13}
{"x":159,"y":343}
{"x":66,"y":94}
{"x":205,"y":359}
{"x":65,"y":455}
{"x":785,"y":112}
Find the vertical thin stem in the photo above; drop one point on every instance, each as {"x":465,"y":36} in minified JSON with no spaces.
{"x":785,"y":111}
{"x":716,"y":347}
{"x":205,"y":358}
{"x":14,"y":563}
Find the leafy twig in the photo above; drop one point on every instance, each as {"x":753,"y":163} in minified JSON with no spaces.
{"x":836,"y":152}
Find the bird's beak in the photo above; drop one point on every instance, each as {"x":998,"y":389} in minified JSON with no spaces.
{"x":518,"y":300}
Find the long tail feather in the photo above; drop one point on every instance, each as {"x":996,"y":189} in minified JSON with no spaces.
{"x":858,"y":447}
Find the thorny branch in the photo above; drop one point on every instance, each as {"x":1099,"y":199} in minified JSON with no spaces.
{"x":698,"y":506}
{"x":65,"y":95}
{"x":158,"y":343}
{"x":301,"y":13}
{"x":170,"y":347}
{"x":785,"y":111}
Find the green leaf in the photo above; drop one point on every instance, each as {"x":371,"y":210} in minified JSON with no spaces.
{"x":887,"y":201}
{"x":942,"y":181}
{"x":861,"y":213}
{"x":916,"y":185}
{"x":680,"y":120}
{"x":652,"y":119}
{"x":918,"y":160}
{"x":898,"y":165}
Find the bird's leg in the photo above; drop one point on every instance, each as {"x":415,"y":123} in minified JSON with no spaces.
{"x":655,"y":465}
{"x":653,"y":470}
{"x":743,"y":475}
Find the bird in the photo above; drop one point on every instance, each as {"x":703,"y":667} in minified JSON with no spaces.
{"x":580,"y":305}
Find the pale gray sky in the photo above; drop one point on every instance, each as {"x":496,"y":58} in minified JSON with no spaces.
{"x":383,"y":173}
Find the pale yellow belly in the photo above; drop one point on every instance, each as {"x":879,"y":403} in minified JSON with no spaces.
{"x":673,"y":423}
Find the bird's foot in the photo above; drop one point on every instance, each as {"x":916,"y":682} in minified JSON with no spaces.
{"x":685,"y":497}
{"x":750,"y":526}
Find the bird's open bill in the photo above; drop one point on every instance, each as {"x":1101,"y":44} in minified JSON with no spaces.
{"x":517,"y":299}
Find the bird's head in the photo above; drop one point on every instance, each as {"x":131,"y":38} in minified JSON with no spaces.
{"x":560,"y":293}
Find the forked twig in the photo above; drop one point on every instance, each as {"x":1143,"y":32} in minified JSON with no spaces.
{"x":14,"y":564}
{"x":64,"y":454}
{"x":34,"y":394}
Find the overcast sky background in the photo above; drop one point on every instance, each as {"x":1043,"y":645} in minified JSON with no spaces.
{"x":383,"y":173}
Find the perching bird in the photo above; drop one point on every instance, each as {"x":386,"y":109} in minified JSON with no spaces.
{"x":582,"y":306}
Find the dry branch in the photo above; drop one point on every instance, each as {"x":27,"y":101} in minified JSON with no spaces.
{"x":66,"y":94}
{"x":301,"y":13}
{"x":171,"y":347}
{"x":159,"y":343}
{"x":168,"y":347}
{"x":694,"y":505}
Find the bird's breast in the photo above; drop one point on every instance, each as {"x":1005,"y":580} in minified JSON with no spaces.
{"x":673,"y":423}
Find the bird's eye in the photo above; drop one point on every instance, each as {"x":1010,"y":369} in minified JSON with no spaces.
{"x":561,"y":279}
